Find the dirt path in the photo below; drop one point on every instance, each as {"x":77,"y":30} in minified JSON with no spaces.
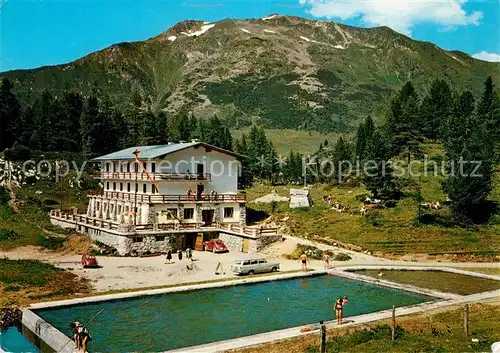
{"x":13,"y":200}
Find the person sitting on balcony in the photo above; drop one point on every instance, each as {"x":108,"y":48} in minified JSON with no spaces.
{"x":190,"y":192}
{"x":187,"y":175}
{"x":203,"y":195}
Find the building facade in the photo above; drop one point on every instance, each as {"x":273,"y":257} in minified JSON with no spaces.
{"x":186,"y":183}
{"x":174,"y":196}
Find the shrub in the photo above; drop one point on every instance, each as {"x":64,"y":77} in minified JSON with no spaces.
{"x":8,"y":234}
{"x":341,"y":257}
{"x":4,"y":196}
{"x":312,"y":252}
{"x":51,"y":243}
{"x":390,"y":203}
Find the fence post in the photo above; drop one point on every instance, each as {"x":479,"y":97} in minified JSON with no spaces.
{"x":322,"y":345}
{"x":393,"y":323}
{"x":466,"y":319}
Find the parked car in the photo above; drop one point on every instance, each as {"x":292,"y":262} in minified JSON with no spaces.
{"x":252,"y":266}
{"x":89,"y":261}
{"x":215,"y":245}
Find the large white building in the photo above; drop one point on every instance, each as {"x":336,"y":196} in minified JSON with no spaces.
{"x":168,"y":196}
{"x":187,"y":183}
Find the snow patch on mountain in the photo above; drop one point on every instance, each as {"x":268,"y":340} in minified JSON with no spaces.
{"x":203,"y":29}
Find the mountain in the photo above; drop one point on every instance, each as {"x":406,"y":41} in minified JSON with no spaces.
{"x":278,"y":71}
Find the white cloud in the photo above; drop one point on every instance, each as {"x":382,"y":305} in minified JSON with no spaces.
{"x":400,"y":15}
{"x":484,"y":55}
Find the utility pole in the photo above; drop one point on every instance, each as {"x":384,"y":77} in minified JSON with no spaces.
{"x":135,"y":195}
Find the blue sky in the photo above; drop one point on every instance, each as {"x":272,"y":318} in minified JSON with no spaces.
{"x":47,"y":32}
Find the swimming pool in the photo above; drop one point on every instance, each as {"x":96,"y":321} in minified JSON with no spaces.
{"x":12,"y":340}
{"x":183,"y":319}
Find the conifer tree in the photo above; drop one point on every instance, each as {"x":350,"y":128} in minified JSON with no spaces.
{"x":10,"y":113}
{"x":377,"y":172}
{"x":435,"y":109}
{"x":469,"y":149}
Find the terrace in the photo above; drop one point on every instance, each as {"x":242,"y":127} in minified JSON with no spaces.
{"x":80,"y":220}
{"x":141,"y":176}
{"x":167,"y":198}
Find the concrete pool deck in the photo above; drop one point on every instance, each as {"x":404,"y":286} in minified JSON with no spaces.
{"x":59,"y":341}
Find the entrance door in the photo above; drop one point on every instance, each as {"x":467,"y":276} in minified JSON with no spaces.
{"x":207,"y":217}
{"x":199,"y":190}
{"x":200,"y":169}
{"x":245,"y":245}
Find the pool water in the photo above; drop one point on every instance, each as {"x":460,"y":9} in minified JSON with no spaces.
{"x":13,"y":341}
{"x":175,"y":320}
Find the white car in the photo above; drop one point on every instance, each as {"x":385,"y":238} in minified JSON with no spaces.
{"x":252,"y":266}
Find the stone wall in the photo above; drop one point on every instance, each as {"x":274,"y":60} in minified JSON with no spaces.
{"x":263,"y":241}
{"x":119,"y":242}
{"x":233,"y":242}
{"x":151,"y":244}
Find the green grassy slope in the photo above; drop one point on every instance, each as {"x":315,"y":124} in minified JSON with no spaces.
{"x":286,"y":72}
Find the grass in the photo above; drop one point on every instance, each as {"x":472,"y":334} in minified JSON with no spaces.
{"x":32,"y":225}
{"x":386,"y":232}
{"x":485,"y":270}
{"x":24,"y":281}
{"x":437,"y":280}
{"x":301,"y":141}
{"x":438,"y":331}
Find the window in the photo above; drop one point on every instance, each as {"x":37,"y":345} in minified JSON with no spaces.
{"x":107,"y":185}
{"x":107,"y":167}
{"x":137,"y":239}
{"x":136,"y":167}
{"x":253,"y":262}
{"x":228,"y":212}
{"x":171,"y":213}
{"x":153,"y":167}
{"x":128,"y":167}
{"x":144,"y":188}
{"x":246,"y":262}
{"x":160,"y":238}
{"x":121,"y":186}
{"x":154,"y":189}
{"x":145,"y":165}
{"x":262,"y":261}
{"x":128,"y":187}
{"x":115,"y":166}
{"x":114,"y":186}
{"x":136,"y":187}
{"x":188,"y":213}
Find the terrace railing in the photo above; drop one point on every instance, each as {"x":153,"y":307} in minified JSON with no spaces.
{"x":155,"y":176}
{"x":167,"y":198}
{"x":174,"y":226}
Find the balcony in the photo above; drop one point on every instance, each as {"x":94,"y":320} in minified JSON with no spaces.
{"x":166,"y":198}
{"x":141,"y":176}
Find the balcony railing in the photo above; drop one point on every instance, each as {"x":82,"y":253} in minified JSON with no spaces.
{"x":167,"y":198}
{"x":155,"y":176}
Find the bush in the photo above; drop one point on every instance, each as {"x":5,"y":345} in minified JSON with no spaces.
{"x":8,"y":234}
{"x":4,"y":196}
{"x":390,"y":203}
{"x":51,"y":243}
{"x":312,"y":252}
{"x":17,"y":153}
{"x":341,"y":257}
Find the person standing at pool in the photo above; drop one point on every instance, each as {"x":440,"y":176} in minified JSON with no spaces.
{"x":180,"y":255}
{"x":326,"y":260}
{"x":169,"y":256}
{"x":339,"y":306}
{"x":303,"y":258}
{"x":85,"y":336}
